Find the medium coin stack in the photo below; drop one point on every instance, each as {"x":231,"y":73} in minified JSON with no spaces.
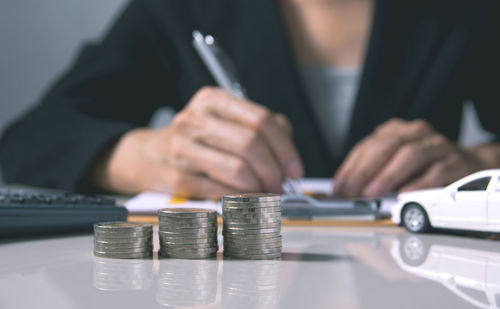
{"x":123,"y":240}
{"x":252,"y":226}
{"x":188,"y":233}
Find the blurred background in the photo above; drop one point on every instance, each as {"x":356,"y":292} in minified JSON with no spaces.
{"x":38,"y":40}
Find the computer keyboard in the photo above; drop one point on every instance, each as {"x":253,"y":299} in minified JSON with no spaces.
{"x":24,"y":213}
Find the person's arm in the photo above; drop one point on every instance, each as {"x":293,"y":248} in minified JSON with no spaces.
{"x":112,"y":87}
{"x":409,"y":155}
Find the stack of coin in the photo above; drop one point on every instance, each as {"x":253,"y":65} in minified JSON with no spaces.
{"x":252,"y":226}
{"x":188,"y":233}
{"x":123,"y":240}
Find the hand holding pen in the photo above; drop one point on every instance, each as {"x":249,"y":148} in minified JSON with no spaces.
{"x":218,"y":144}
{"x":224,"y":73}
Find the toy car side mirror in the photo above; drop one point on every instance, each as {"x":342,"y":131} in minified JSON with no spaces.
{"x":453,"y":193}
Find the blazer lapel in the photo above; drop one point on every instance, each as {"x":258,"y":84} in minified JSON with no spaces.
{"x":399,"y":48}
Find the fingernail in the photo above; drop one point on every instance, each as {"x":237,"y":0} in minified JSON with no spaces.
{"x":374,"y":189}
{"x":295,"y":169}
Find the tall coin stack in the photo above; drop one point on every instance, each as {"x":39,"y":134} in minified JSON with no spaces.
{"x":123,"y":240}
{"x":188,"y":233}
{"x":252,"y":226}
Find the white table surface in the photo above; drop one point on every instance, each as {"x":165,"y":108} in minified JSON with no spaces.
{"x":322,"y":267}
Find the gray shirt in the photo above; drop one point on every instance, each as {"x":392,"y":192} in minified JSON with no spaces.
{"x":332,"y":93}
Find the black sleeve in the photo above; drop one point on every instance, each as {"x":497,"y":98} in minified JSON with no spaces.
{"x":112,"y":87}
{"x":484,"y":70}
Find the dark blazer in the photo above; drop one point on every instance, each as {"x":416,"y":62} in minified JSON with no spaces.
{"x":424,"y":59}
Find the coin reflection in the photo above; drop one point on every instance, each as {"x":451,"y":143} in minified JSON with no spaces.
{"x":250,"y":284}
{"x":122,"y":275}
{"x":187,"y":282}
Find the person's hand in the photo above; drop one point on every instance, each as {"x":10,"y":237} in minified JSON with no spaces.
{"x":403,"y":156}
{"x":217,"y":144}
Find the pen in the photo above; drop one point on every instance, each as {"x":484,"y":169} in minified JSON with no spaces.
{"x":224,"y":73}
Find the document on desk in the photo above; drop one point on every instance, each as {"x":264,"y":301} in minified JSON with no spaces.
{"x":151,"y":202}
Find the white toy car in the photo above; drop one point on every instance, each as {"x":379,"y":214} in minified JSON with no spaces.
{"x":471,"y":203}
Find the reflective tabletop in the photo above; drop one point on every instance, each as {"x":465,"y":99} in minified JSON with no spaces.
{"x":322,"y":267}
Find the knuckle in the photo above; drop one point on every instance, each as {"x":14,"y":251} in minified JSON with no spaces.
{"x":439,"y":168}
{"x":176,"y":149}
{"x":263,"y":117}
{"x":421,"y":125}
{"x":410,"y":150}
{"x":250,"y":141}
{"x":439,"y":140}
{"x":238,"y":169}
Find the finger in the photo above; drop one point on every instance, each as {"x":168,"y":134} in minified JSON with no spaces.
{"x":440,"y":173}
{"x":409,"y":160}
{"x":237,"y":140}
{"x":225,"y":168}
{"x":257,"y":117}
{"x":284,"y":123}
{"x":183,"y":183}
{"x":374,"y":152}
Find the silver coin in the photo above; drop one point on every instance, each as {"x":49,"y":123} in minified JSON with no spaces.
{"x":183,"y":229}
{"x":271,"y":256}
{"x":187,"y":212}
{"x":118,"y":240}
{"x":188,"y":227}
{"x":125,"y":255}
{"x":252,"y":219}
{"x":188,"y":241}
{"x":253,"y":241}
{"x":190,"y":246}
{"x":189,"y":256}
{"x":190,"y":250}
{"x":252,"y":197}
{"x":124,"y":250}
{"x":188,"y":235}
{"x":245,"y":231}
{"x":166,"y":218}
{"x":249,"y":210}
{"x":119,"y":226}
{"x":237,"y":237}
{"x":252,"y":251}
{"x":187,"y":223}
{"x":246,"y":206}
{"x":251,"y":226}
{"x":123,"y":234}
{"x":122,"y":246}
{"x":250,"y":245}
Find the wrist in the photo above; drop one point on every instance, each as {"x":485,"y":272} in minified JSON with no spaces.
{"x":116,"y":170}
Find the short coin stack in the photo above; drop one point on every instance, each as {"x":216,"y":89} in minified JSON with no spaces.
{"x":123,"y":240}
{"x":188,"y":233}
{"x":252,"y":226}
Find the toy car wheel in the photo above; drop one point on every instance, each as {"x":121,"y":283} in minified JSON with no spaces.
{"x":415,"y":219}
{"x":413,"y":249}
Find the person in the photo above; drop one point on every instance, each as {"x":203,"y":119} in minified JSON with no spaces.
{"x":372,"y":90}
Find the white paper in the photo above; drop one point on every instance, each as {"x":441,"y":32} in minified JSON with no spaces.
{"x":150,"y":202}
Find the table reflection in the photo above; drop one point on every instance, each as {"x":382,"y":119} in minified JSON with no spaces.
{"x":250,"y":284}
{"x":186,"y":283}
{"x":470,"y":268}
{"x":122,"y":275}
